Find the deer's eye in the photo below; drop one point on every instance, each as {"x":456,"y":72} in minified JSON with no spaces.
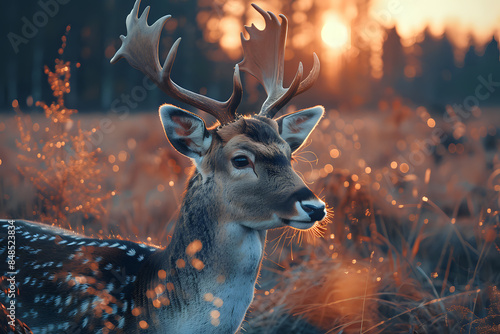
{"x":241,"y":161}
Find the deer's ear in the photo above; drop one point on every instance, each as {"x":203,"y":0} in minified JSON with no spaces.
{"x":295,"y":127}
{"x":186,"y":132}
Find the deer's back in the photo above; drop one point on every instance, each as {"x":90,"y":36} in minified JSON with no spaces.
{"x":68,"y":283}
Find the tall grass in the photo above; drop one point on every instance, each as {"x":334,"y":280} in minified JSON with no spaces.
{"x":412,"y":248}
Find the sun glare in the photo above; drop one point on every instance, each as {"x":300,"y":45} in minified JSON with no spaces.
{"x":335,"y":33}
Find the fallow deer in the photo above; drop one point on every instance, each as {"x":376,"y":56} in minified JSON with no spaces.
{"x":243,"y":184}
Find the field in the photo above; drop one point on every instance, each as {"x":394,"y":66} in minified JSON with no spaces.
{"x":412,"y":184}
{"x":412,"y":247}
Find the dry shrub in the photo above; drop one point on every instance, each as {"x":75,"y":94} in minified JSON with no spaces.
{"x":55,"y":158}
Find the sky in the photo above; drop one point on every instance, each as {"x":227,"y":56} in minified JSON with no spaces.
{"x":481,"y":18}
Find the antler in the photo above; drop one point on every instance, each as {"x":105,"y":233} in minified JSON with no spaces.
{"x":140,"y":49}
{"x":265,"y":59}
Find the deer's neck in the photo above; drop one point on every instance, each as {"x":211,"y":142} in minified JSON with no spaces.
{"x":213,"y":285}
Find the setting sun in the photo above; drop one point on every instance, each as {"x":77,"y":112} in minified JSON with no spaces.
{"x":335,"y":33}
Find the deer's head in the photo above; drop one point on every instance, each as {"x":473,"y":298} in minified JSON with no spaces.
{"x":249,"y":158}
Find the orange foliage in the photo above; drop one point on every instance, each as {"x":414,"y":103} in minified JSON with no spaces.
{"x":64,"y":172}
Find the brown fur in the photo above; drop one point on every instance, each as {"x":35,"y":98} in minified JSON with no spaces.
{"x":277,"y":180}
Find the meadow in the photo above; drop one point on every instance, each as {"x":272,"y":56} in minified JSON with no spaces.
{"x":412,"y":245}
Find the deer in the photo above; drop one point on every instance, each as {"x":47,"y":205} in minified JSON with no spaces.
{"x":242,"y":185}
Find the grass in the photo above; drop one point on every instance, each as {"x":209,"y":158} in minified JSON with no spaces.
{"x":413,"y":245}
{"x":412,"y":249}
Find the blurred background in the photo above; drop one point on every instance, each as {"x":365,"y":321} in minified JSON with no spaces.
{"x":430,"y":52}
{"x":407,"y":156}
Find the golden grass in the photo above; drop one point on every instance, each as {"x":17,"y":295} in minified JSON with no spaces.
{"x":412,"y":247}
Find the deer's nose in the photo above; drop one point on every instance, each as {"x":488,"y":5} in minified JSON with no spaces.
{"x":315,"y":211}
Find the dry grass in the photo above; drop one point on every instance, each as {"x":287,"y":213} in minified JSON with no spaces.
{"x":410,"y":250}
{"x":413,"y":246}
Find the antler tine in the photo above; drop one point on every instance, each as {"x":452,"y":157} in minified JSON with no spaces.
{"x":265,"y":59}
{"x":137,"y":28}
{"x":311,"y":78}
{"x":225,"y":112}
{"x":140,"y":49}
